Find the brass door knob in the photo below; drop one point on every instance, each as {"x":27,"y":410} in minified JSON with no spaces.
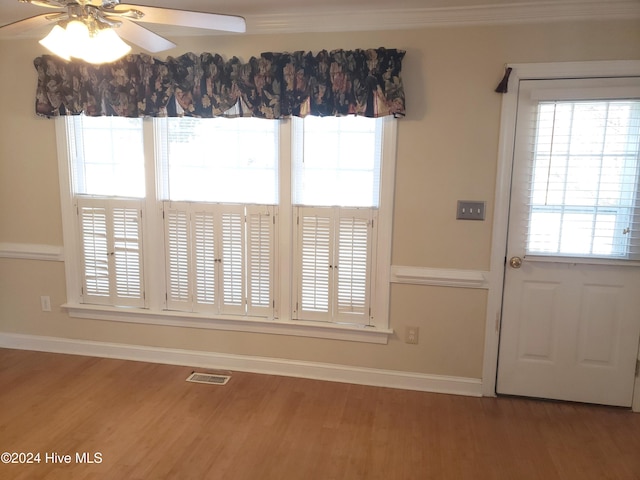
{"x":515,"y":262}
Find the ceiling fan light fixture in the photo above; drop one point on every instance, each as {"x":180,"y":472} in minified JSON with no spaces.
{"x":106,"y":47}
{"x":56,"y":42}
{"x":77,"y":34}
{"x":78,"y":40}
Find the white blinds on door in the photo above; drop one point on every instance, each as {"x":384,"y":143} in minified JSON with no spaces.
{"x":585,"y":167}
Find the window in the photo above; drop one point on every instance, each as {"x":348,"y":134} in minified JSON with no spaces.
{"x":336,"y":193}
{"x":223,"y":221}
{"x":585,"y":179}
{"x":337,"y":161}
{"x":222,"y":160}
{"x":107,"y":160}
{"x":220,"y":191}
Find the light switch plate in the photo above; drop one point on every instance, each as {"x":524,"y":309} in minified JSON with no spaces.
{"x":470,"y":210}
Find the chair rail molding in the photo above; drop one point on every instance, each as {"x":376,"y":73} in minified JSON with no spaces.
{"x":441,"y":277}
{"x":29,"y":251}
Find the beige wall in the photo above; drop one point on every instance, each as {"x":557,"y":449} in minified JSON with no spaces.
{"x":447,"y":150}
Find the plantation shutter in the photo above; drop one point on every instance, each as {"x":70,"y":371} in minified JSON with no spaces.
{"x":204,"y":244}
{"x":177,"y":241}
{"x":93,"y":223}
{"x":111,"y":235}
{"x":315,"y":249}
{"x":334,"y":263}
{"x":354,"y":234}
{"x":233,"y":268}
{"x":260,"y":259}
{"x":219,"y":258}
{"x":127,"y":247}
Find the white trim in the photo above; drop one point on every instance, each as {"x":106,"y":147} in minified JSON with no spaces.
{"x":442,"y":277}
{"x":69,"y":212}
{"x":503,"y":188}
{"x":381,"y":290}
{"x":635,"y":403}
{"x":598,"y":69}
{"x":348,"y":19}
{"x":269,"y":366}
{"x":334,"y":331}
{"x":29,"y":251}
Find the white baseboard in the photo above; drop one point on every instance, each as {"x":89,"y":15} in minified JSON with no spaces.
{"x":264,"y":365}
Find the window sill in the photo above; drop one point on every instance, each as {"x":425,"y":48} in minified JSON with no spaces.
{"x":298,"y":328}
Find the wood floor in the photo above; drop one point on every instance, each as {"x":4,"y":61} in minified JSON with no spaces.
{"x":143,"y":421}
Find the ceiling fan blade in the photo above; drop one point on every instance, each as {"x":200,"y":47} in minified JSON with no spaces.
{"x":16,"y":28}
{"x":46,"y":3}
{"x":186,"y":18}
{"x":151,"y":42}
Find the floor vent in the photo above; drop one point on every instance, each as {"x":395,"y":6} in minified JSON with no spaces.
{"x":210,"y":378}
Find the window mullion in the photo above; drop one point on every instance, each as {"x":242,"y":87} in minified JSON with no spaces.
{"x":153,"y":238}
{"x":285,"y":289}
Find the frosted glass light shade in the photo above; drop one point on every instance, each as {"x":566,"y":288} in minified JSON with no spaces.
{"x":56,"y":42}
{"x":104,"y":46}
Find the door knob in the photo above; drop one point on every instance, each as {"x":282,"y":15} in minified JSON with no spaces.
{"x":515,"y":262}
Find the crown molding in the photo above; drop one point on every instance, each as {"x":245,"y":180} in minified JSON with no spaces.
{"x":325,"y":20}
{"x":330,"y":19}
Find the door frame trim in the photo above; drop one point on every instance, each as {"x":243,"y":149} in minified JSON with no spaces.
{"x":526,"y":71}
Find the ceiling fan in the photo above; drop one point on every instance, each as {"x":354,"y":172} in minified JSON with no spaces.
{"x":87,"y":28}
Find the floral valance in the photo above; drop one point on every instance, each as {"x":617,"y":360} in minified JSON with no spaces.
{"x":275,"y":85}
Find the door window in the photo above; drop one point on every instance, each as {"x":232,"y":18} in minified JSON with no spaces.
{"x":584,"y":179}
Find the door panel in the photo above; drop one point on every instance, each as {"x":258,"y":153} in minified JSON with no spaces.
{"x":536,"y":338}
{"x":571,"y":305}
{"x":576,"y":337}
{"x":600,"y":325}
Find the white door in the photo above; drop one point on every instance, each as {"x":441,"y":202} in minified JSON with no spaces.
{"x":571,"y":306}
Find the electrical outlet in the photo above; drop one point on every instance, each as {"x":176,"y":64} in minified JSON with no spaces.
{"x":411,"y":335}
{"x":470,"y":210}
{"x":45,"y":303}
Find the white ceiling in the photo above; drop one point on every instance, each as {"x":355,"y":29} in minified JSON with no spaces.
{"x":278,"y":16}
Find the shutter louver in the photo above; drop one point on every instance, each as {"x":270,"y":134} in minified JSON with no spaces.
{"x":316,"y":244}
{"x":353,"y":267}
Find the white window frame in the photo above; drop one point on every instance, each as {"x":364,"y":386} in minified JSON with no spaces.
{"x":154,"y":255}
